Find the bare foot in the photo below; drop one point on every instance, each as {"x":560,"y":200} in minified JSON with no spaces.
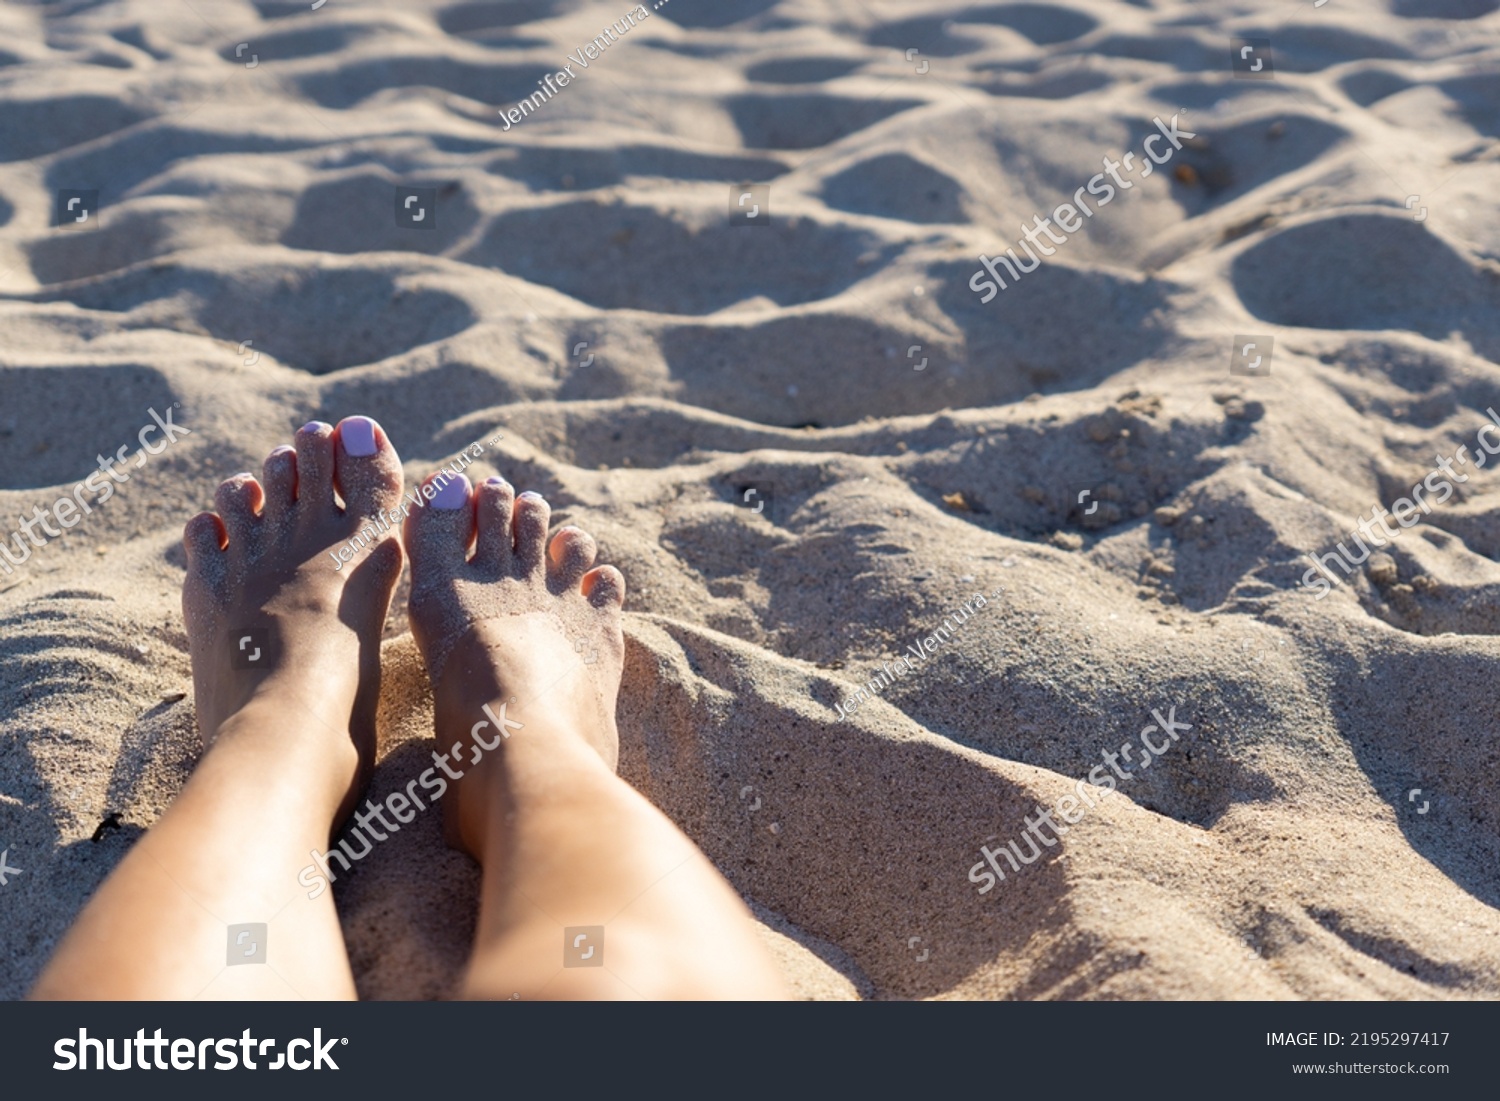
{"x":275,"y":619}
{"x":285,"y":651}
{"x":522,"y":624}
{"x":588,"y":891}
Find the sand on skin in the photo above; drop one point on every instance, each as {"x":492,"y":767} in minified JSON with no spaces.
{"x":648,"y":364}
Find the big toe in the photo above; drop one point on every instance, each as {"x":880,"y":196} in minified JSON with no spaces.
{"x":437,"y":535}
{"x":367,"y":470}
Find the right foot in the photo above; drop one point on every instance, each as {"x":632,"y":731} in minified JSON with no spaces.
{"x":262,"y":564}
{"x":521,"y":623}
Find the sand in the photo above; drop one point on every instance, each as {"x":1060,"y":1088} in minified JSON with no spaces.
{"x":806,"y":441}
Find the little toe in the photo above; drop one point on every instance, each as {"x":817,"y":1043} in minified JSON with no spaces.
{"x":315,"y":468}
{"x":204,"y":538}
{"x":237,"y":501}
{"x":570,"y":554}
{"x":532,"y":515}
{"x":604,"y":587}
{"x":279,"y":481}
{"x":437,"y":536}
{"x":367,"y":470}
{"x":494,"y":502}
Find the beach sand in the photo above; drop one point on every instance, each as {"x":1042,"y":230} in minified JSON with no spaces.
{"x":806,"y":441}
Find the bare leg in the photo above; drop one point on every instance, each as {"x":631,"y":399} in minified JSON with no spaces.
{"x":564,"y":842}
{"x":290,"y":739}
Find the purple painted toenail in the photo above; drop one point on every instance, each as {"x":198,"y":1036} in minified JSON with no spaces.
{"x":494,"y":481}
{"x":284,"y":449}
{"x":358,"y":434}
{"x":316,"y":426}
{"x":452,"y":494}
{"x":533,"y":495}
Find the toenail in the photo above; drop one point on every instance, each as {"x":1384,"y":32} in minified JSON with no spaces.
{"x":494,"y":481}
{"x":284,"y":449}
{"x":452,"y":494}
{"x":358,"y":434}
{"x":316,"y":426}
{"x":533,"y":495}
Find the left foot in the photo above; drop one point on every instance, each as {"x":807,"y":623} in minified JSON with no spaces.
{"x":525,"y":623}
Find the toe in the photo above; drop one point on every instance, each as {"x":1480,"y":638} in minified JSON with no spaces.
{"x":237,"y":501}
{"x":437,"y":535}
{"x":532,"y":514}
{"x":315,"y":468}
{"x":204,"y":539}
{"x":367,"y":470}
{"x":604,"y":587}
{"x":279,"y":481}
{"x":570,"y":554}
{"x":494,"y":502}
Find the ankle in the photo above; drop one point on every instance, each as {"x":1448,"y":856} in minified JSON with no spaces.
{"x":265,"y":738}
